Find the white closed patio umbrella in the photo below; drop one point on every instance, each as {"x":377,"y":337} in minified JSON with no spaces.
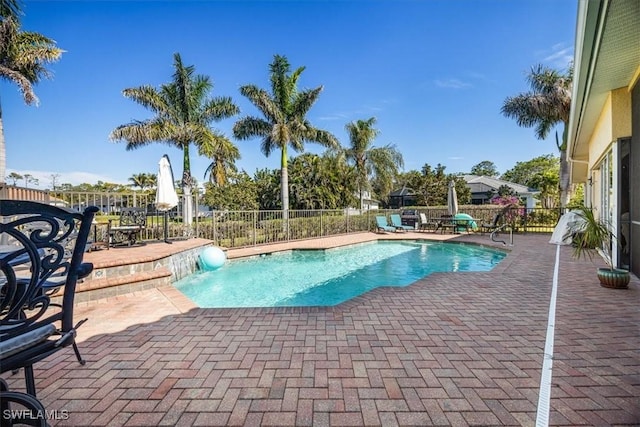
{"x":452,"y":199}
{"x":166,"y":197}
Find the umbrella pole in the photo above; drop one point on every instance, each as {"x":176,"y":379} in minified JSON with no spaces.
{"x":166,"y":227}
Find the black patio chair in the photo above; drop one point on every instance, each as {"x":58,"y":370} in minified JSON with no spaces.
{"x":40,"y":245}
{"x":493,"y":225}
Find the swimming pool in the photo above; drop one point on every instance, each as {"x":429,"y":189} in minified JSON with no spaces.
{"x":329,"y":277}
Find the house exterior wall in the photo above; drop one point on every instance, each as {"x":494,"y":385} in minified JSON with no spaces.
{"x":634,"y":178}
{"x":614,"y":122}
{"x":601,"y":137}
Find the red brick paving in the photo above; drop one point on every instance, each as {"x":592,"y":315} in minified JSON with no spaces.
{"x":451,"y":349}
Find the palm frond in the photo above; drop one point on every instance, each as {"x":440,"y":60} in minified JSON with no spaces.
{"x":219,"y":108}
{"x":547,"y":104}
{"x":261,"y":99}
{"x":24,"y":85}
{"x":10,"y":9}
{"x":140,"y":133}
{"x":304,"y":100}
{"x":23,"y":55}
{"x":320,"y":136}
{"x":249,"y":127}
{"x":148,"y":97}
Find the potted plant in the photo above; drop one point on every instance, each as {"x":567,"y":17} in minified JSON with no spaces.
{"x":592,"y":235}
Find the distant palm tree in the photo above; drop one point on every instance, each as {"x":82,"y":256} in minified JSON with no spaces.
{"x":546,"y":105}
{"x":23,"y":56}
{"x":224,"y":154}
{"x":284,"y":123}
{"x":381,"y":163}
{"x":142,"y":180}
{"x":183,"y":114}
{"x":15,"y":177}
{"x":152,"y":180}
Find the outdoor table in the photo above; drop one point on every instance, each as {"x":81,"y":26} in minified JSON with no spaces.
{"x":453,"y":223}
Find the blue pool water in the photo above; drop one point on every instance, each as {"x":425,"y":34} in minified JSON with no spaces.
{"x":329,"y":277}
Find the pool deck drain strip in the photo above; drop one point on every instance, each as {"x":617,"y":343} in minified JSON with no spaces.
{"x":544,"y":396}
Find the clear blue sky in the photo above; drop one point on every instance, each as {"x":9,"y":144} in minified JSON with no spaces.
{"x":433,"y":72}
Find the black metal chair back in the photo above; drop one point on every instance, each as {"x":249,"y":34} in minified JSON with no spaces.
{"x":38,"y":243}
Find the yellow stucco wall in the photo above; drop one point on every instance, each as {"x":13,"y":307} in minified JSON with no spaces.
{"x":602,"y":134}
{"x":621,"y":113}
{"x":614,"y":122}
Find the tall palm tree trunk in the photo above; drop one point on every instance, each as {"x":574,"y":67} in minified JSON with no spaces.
{"x":284,"y":192}
{"x":284,"y":179}
{"x":187,"y":184}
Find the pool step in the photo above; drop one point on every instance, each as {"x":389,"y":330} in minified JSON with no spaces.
{"x":92,"y":290}
{"x":121,"y":271}
{"x":111,"y":286}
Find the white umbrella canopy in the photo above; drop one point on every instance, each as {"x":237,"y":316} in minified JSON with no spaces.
{"x":452,"y":199}
{"x":166,"y":197}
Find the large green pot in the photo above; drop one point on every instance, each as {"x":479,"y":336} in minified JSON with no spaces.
{"x":616,"y":278}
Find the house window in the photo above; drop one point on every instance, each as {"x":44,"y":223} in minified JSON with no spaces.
{"x":603,"y":189}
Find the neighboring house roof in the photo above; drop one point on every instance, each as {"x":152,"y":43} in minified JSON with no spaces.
{"x":606,"y":58}
{"x":482,"y":184}
{"x":404,"y":191}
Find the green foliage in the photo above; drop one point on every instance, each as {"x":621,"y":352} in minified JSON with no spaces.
{"x":528,"y":172}
{"x":268,"y":189}
{"x":577,"y":197}
{"x":432,"y":185}
{"x":240,"y":194}
{"x":590,"y":235}
{"x":99,"y":187}
{"x":541,"y":173}
{"x":143,"y":180}
{"x":485,"y":168}
{"x":321,"y":182}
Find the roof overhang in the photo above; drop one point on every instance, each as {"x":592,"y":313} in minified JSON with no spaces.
{"x":606,"y":58}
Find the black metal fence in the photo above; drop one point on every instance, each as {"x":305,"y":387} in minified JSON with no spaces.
{"x":234,"y":229}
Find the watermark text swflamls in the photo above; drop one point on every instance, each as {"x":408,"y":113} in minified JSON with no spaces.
{"x":26,"y":414}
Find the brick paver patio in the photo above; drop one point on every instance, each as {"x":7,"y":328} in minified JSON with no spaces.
{"x":452,"y":349}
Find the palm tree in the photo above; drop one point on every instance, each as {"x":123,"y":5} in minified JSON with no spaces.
{"x":380,"y":163}
{"x":224,"y":154}
{"x":284,"y":123}
{"x":23,"y":56}
{"x":151,"y":180}
{"x":139,"y":180}
{"x":546,"y":105}
{"x":183,"y":113}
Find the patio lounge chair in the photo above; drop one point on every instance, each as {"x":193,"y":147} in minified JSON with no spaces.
{"x":426,"y":224}
{"x":32,"y":326}
{"x":396,"y":222}
{"x":381,"y":222}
